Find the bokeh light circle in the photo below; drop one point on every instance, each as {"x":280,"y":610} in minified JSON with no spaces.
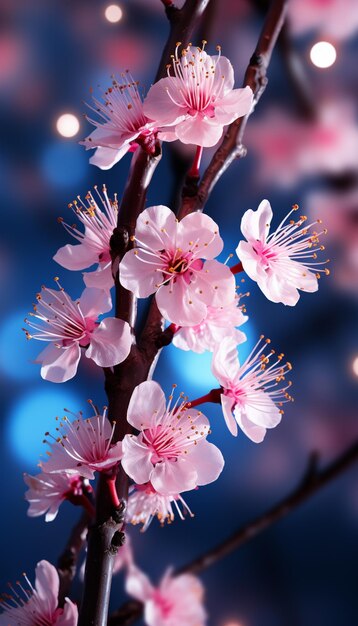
{"x":323,"y":54}
{"x":34,"y":414}
{"x":113,"y":13}
{"x":355,"y":366}
{"x":68,"y":125}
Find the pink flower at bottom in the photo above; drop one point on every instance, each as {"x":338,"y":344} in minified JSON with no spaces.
{"x":70,"y":326}
{"x":171,"y":451}
{"x":177,"y":601}
{"x":47,"y":492}
{"x":251,"y":396}
{"x":38,"y":606}
{"x":83,"y":446}
{"x":145,"y":503}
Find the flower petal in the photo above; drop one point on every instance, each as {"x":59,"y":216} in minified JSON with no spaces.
{"x":47,"y":584}
{"x":136,"y":459}
{"x":105,"y":158}
{"x":138,"y":273}
{"x":94,"y":302}
{"x":158,"y":105}
{"x":227,"y":405}
{"x":225,"y":364}
{"x":252,"y":431}
{"x":201,"y":229}
{"x":76,"y":257}
{"x":101,"y":278}
{"x":207,"y":461}
{"x":233,"y":105}
{"x":157,"y":226}
{"x":222,"y":281}
{"x":179,"y":304}
{"x":59,"y":364}
{"x":138,"y":584}
{"x":147,"y":402}
{"x":199,"y":131}
{"x":173,"y":477}
{"x":261,"y":410}
{"x":110,"y":342}
{"x":255,"y":225}
{"x":69,"y":616}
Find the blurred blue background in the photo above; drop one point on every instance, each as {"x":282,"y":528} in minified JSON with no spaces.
{"x":302,"y":571}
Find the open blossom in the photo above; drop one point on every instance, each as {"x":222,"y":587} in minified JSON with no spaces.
{"x":168,"y":261}
{"x":145,"y":503}
{"x":94,"y":242}
{"x":83,"y":447}
{"x":70,"y":326}
{"x":38,"y":605}
{"x":283,"y":261}
{"x":220,"y":322}
{"x":121,"y":124}
{"x":332,"y":18}
{"x":198,"y":98}
{"x":177,"y":601}
{"x":252,"y":394}
{"x":171,"y":451}
{"x":47,"y":492}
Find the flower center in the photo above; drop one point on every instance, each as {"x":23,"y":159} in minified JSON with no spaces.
{"x":162,"y":443}
{"x":163,"y":603}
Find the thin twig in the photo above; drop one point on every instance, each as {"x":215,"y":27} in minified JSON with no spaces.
{"x":67,"y":562}
{"x":313,"y":481}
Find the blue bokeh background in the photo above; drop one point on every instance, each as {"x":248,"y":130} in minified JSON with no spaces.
{"x":300,"y":572}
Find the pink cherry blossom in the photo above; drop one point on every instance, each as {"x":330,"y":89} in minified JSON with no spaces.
{"x":70,"y":325}
{"x":251,"y":395}
{"x":47,"y":492}
{"x":121,"y":124}
{"x":145,"y":503}
{"x":83,"y":447}
{"x":332,"y":18}
{"x":38,"y":606}
{"x":219,"y":322}
{"x":168,"y":260}
{"x":198,"y":98}
{"x":177,"y":601}
{"x":284,"y":261}
{"x":171,"y":451}
{"x":94,"y":243}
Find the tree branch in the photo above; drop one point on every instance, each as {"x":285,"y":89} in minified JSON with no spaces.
{"x":195,"y":194}
{"x":313,"y":481}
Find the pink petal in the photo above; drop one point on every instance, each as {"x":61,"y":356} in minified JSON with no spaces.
{"x":106,"y":137}
{"x":255,"y":225}
{"x":225,"y":364}
{"x":252,"y":431}
{"x":277,"y":289}
{"x":138,"y":273}
{"x":101,"y":278}
{"x":207,"y":461}
{"x":136,"y":459}
{"x":159,"y":107}
{"x":59,"y":364}
{"x":147,"y":402}
{"x":221,"y":280}
{"x":227,"y":404}
{"x":199,"y":131}
{"x":105,"y":158}
{"x":94,"y":302}
{"x":201,"y":229}
{"x":233,"y":105}
{"x":76,"y":257}
{"x":179,"y":304}
{"x":223,"y":68}
{"x":173,"y":477}
{"x":69,"y":616}
{"x":153,"y":615}
{"x":110,"y":342}
{"x":251,"y":261}
{"x":138,"y":584}
{"x":47,"y":584}
{"x":262,"y":411}
{"x":157,"y":227}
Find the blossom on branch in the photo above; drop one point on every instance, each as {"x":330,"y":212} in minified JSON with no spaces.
{"x":252,"y":395}
{"x":198,"y":98}
{"x":47,"y":492}
{"x":220,"y":322}
{"x":283,"y":261}
{"x":168,"y":261}
{"x":70,"y":326}
{"x":171,"y":451}
{"x":177,"y":600}
{"x":38,"y":605}
{"x":121,"y":125}
{"x":94,"y":242}
{"x":145,"y":503}
{"x":83,"y":447}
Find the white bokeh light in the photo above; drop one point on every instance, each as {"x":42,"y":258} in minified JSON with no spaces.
{"x":68,"y":125}
{"x":355,"y":366}
{"x":113,"y":13}
{"x":323,"y":54}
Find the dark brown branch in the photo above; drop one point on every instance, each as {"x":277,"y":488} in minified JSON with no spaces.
{"x":196,"y":195}
{"x":67,"y":562}
{"x":313,"y":481}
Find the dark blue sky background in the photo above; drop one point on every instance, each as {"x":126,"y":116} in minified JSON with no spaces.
{"x":300,"y":572}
